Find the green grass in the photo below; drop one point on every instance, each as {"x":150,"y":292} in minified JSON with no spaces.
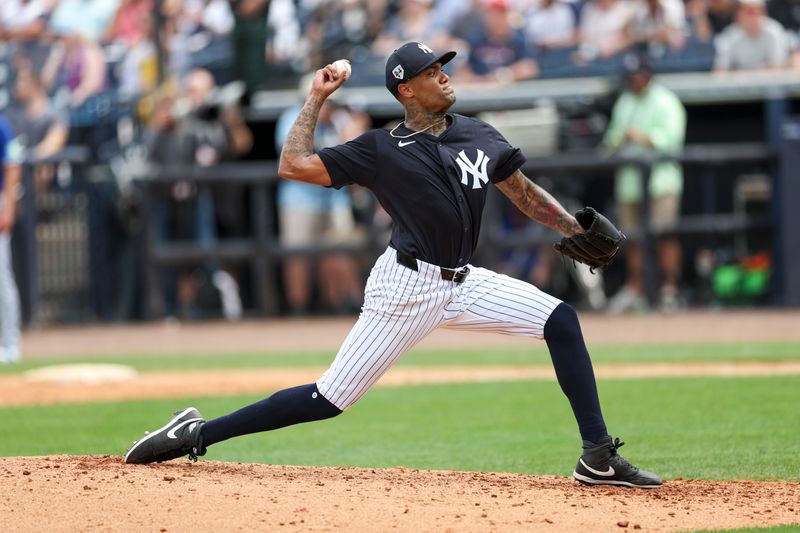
{"x":791,"y":528}
{"x":536,"y":354}
{"x":710,"y":428}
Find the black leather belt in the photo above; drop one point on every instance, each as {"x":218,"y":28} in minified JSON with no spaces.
{"x":456,"y":275}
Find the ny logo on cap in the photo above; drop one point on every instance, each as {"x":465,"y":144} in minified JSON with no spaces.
{"x":425,"y":48}
{"x":398,"y":72}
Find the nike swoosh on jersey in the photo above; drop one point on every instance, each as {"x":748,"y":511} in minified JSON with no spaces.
{"x":171,"y":433}
{"x":401,"y":143}
{"x":608,"y":473}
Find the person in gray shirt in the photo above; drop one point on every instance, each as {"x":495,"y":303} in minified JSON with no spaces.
{"x":753,"y":41}
{"x":42,"y":130}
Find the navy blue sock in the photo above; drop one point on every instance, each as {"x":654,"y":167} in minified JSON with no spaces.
{"x":562,"y":333}
{"x":284,"y":408}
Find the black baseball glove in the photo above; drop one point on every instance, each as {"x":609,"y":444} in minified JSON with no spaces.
{"x":597,"y":245}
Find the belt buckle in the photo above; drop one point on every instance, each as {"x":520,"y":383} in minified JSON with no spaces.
{"x":460,"y":275}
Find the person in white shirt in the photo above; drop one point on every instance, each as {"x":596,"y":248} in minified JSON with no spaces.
{"x":754,"y":41}
{"x":658,"y":23}
{"x":551,"y":24}
{"x":602,"y":29}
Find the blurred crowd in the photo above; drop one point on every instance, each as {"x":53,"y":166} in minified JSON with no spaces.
{"x":82,"y":47}
{"x":155,"y":82}
{"x":92,"y":56}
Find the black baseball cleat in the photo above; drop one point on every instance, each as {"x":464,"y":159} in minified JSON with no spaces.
{"x":600,"y":464}
{"x":179,"y":437}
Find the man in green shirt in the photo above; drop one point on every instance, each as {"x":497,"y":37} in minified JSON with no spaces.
{"x":647,"y":119}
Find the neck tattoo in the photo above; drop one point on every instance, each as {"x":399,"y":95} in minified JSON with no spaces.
{"x":426,"y":128}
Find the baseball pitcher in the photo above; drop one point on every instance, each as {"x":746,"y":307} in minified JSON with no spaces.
{"x":431,"y":173}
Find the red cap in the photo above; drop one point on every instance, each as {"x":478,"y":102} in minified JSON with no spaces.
{"x":495,"y":4}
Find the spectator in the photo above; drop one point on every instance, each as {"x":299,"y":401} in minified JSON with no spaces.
{"x":126,"y":26}
{"x":284,"y":47}
{"x":602,"y":29}
{"x":196,"y":130}
{"x":412,"y":23}
{"x":76,"y":66}
{"x":498,"y":51}
{"x":447,"y":14}
{"x":787,"y":13}
{"x":754,"y":41}
{"x":647,"y":119}
{"x":710,"y":17}
{"x":249,"y":40}
{"x":314,"y":216}
{"x":198,"y":36}
{"x":343,"y":29}
{"x":9,"y":295}
{"x":23,"y":23}
{"x":41,"y":130}
{"x":551,"y":24}
{"x":137,"y":71}
{"x":657,"y":24}
{"x":88,"y":19}
{"x":23,"y":19}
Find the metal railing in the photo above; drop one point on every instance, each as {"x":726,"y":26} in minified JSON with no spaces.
{"x":51,"y":249}
{"x":260,"y":249}
{"x":62,"y":244}
{"x":711,"y":158}
{"x":263,"y":252}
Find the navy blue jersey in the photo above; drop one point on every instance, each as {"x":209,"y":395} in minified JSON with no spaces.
{"x":434,"y":188}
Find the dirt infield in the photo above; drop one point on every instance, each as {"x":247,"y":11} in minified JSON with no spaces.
{"x":99,"y":493}
{"x":327,"y":334}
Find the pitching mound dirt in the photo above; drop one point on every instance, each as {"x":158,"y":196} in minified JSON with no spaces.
{"x":99,"y":493}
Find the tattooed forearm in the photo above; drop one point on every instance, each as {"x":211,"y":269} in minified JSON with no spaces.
{"x":300,"y":141}
{"x":538,"y":204}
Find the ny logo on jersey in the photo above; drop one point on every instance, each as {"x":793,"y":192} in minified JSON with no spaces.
{"x":477,"y":169}
{"x":425,"y":48}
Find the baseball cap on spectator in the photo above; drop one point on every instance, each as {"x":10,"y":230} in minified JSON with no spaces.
{"x":495,"y":4}
{"x":636,"y":64}
{"x":408,"y":61}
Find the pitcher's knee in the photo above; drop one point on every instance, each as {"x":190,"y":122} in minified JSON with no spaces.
{"x":562,"y":323}
{"x":335,"y":394}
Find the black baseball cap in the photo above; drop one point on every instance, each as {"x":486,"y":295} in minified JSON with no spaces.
{"x":637,"y":63}
{"x":408,"y":61}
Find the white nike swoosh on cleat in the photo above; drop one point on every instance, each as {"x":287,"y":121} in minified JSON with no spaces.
{"x":607,"y":473}
{"x":148,"y":436}
{"x":171,"y":433}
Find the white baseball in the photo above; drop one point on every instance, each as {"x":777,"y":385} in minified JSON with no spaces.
{"x":342,"y":66}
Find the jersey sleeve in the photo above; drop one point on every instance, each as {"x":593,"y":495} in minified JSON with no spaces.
{"x":509,"y":159}
{"x":352,"y":162}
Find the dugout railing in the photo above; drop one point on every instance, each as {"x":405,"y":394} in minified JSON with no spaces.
{"x":261,"y":249}
{"x":72,"y":264}
{"x":51,"y":239}
{"x":710,"y":159}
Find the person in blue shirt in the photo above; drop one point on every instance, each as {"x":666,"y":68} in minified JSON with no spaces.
{"x":9,"y":296}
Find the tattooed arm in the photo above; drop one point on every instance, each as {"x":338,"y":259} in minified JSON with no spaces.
{"x":538,"y":204}
{"x":298,"y":160}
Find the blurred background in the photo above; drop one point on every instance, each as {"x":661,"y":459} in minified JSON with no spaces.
{"x":144,"y":134}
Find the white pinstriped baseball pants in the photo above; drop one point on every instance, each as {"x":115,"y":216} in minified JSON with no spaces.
{"x":401,"y":306}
